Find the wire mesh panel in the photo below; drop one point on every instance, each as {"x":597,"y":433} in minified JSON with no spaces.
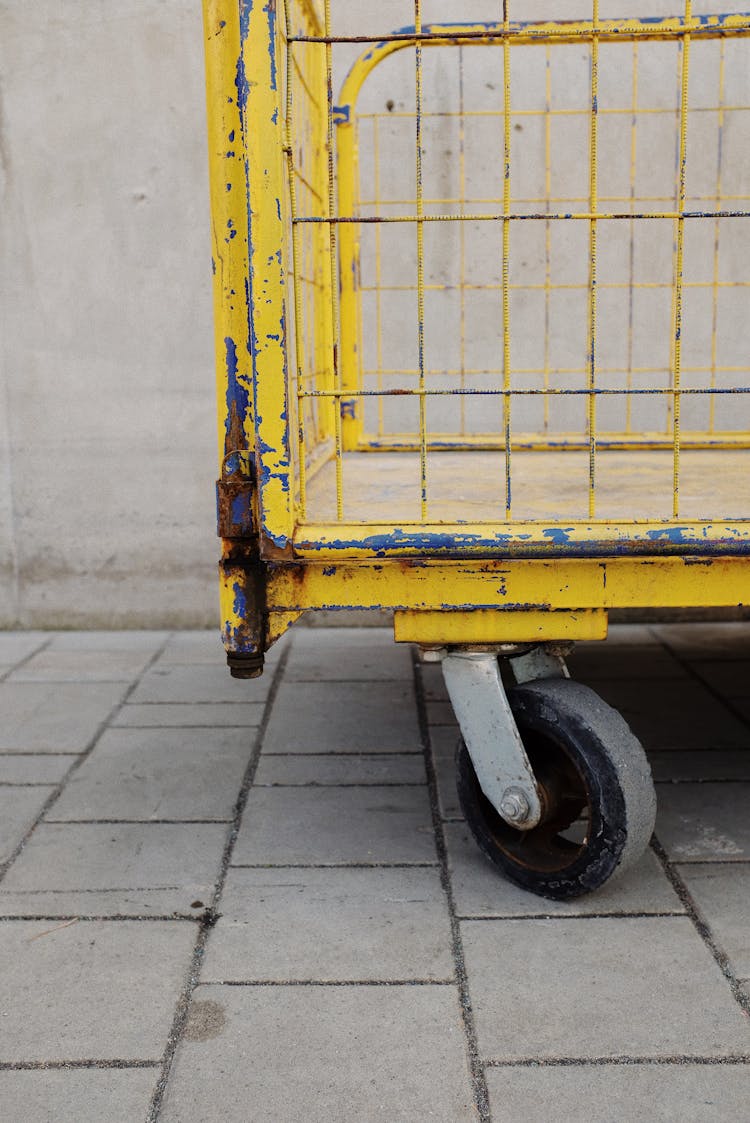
{"x":518,"y":272}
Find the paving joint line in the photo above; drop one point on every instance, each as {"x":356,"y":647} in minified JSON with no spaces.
{"x":211,"y":916}
{"x":374,"y":784}
{"x":619,"y":1059}
{"x":80,"y":758}
{"x":703,"y":780}
{"x":577,"y":916}
{"x":27,"y":659}
{"x":136,"y":822}
{"x":702,"y":927}
{"x":713,"y":862}
{"x":476,"y":1070}
{"x":336,"y":866}
{"x":36,"y":752}
{"x":330,"y":982}
{"x":712,"y":690}
{"x":45,"y":1066}
{"x":346,"y":752}
{"x":177,"y":918}
{"x":26,"y":784}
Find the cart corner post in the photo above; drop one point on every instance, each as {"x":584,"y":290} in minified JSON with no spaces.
{"x":247,"y":220}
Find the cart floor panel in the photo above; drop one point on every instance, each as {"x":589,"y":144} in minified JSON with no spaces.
{"x":470,"y":487}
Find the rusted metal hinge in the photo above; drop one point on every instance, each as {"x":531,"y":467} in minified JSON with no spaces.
{"x":235,"y":493}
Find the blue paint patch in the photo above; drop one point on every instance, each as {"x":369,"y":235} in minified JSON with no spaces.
{"x":270,"y":10}
{"x":229,"y":187}
{"x":230,"y":154}
{"x":673,"y":534}
{"x":246,"y":7}
{"x":231,"y":137}
{"x":238,"y":398}
{"x":241,"y":511}
{"x":239,"y":606}
{"x":329,"y":571}
{"x":242,"y":84}
{"x":558,"y":534}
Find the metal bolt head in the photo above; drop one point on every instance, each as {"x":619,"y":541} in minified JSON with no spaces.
{"x":514,"y":806}
{"x":433,"y":654}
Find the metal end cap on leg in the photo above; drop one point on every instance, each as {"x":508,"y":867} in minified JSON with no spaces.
{"x":246,"y":666}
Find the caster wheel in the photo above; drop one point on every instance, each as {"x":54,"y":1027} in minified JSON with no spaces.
{"x":598,"y":799}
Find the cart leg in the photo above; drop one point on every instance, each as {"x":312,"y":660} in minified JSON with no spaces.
{"x":242,"y":598}
{"x":491,"y":736}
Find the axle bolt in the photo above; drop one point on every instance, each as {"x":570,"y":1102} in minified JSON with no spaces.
{"x":514,"y":806}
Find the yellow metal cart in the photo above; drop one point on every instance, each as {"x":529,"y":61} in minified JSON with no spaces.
{"x":481,"y":296}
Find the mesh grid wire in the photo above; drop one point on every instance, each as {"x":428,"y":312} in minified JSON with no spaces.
{"x":516,"y":238}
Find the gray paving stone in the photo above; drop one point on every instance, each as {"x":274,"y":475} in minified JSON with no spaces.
{"x":323,"y":1055}
{"x":443,"y":741}
{"x":90,"y":990}
{"x":445,"y":774}
{"x":598,"y":988}
{"x":619,"y":634}
{"x":722,"y":894}
{"x":201,"y":682}
{"x":77,"y":1095}
{"x":318,"y":717}
{"x":690,"y":1093}
{"x":730,"y":679}
{"x":198,"y":715}
{"x":729,"y":764}
{"x":135,"y":640}
{"x":701,"y":822}
{"x":54,"y":717}
{"x":742,"y":707}
{"x":19,"y":808}
{"x":441,"y":713}
{"x":205,"y":646}
{"x":158,"y":774}
{"x":346,"y":925}
{"x":15,"y":646}
{"x":334,"y":769}
{"x":723,"y":640}
{"x":346,"y":655}
{"x":100,"y":869}
{"x":672,"y":714}
{"x":433,"y":682}
{"x":311,"y":826}
{"x":479,"y":889}
{"x":590,"y":663}
{"x":202,"y":646}
{"x":53,"y":665}
{"x":17,"y":768}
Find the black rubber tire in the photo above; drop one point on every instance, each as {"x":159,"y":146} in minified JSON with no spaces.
{"x":593,"y":764}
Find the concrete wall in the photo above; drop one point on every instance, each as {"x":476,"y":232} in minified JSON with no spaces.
{"x":107,"y":446}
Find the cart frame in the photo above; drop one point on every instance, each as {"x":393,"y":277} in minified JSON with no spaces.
{"x":459,"y":584}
